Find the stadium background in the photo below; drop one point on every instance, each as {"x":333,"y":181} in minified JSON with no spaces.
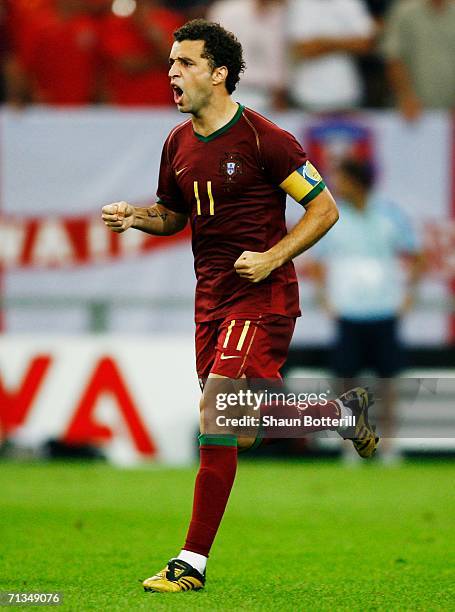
{"x":96,"y":344}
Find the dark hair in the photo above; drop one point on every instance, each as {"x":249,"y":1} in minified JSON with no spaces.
{"x":221,"y":47}
{"x":362,"y":172}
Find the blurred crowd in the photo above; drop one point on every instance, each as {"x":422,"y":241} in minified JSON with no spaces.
{"x":318,"y":55}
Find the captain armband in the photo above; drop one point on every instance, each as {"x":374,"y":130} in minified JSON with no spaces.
{"x":304,"y":184}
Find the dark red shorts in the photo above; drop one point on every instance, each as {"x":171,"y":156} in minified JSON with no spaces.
{"x":237,"y":347}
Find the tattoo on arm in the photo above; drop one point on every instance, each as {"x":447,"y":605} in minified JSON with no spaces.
{"x":155,"y":213}
{"x":158,"y":220}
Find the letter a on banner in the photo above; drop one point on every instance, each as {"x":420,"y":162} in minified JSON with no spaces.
{"x":107,"y":380}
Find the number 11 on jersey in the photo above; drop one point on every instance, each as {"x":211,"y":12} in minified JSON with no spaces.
{"x":198,"y":199}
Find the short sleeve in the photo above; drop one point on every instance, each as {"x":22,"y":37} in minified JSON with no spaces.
{"x":282,"y":154}
{"x":168,"y":191}
{"x":287,"y":166}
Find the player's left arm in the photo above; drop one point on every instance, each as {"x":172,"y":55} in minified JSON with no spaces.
{"x":416,"y":266}
{"x":408,"y":247}
{"x":321,"y":214}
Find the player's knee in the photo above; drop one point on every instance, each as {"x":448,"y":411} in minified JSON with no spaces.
{"x":202,"y":403}
{"x":207,"y":416}
{"x":244,"y":444}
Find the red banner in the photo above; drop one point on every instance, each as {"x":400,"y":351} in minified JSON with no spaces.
{"x":59,"y":242}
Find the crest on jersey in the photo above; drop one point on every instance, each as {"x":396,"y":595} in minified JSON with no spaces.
{"x":231,"y":166}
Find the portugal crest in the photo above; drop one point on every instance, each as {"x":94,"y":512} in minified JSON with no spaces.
{"x":231,"y":166}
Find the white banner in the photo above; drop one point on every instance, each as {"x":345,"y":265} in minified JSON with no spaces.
{"x":58,"y":168}
{"x":136,"y":400}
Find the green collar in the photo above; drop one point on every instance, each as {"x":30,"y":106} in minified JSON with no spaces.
{"x":223,"y":129}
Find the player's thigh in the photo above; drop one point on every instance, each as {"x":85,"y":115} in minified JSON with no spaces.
{"x":219,"y":388}
{"x":249,"y":352}
{"x":206,"y":337}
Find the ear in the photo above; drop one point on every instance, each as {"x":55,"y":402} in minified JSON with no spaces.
{"x":219,"y":75}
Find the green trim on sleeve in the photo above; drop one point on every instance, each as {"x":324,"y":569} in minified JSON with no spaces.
{"x":217,"y":440}
{"x":313,"y":193}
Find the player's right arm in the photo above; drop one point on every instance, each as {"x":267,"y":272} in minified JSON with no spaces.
{"x":167,"y":217}
{"x":157,"y":219}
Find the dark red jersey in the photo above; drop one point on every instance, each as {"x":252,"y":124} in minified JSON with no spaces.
{"x":229,"y":185}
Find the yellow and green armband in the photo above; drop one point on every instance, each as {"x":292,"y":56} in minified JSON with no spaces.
{"x":304,"y":184}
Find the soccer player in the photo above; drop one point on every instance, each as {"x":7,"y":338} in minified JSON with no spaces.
{"x":228,"y":170}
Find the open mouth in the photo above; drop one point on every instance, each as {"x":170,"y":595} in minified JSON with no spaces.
{"x":178,"y":94}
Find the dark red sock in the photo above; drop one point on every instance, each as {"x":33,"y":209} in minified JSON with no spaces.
{"x":218,"y":464}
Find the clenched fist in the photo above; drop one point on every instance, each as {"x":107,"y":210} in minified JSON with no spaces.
{"x":118,"y":216}
{"x":254,"y":266}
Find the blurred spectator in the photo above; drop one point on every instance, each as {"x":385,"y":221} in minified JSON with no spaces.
{"x":361,"y":282}
{"x":4,"y":47}
{"x":135,"y":53}
{"x":378,"y":8}
{"x":326,"y":37}
{"x":260,"y":27}
{"x":191,"y":9}
{"x":21,"y":16}
{"x":372,"y":65}
{"x":420,"y":48}
{"x":56,"y":54}
{"x":98,"y":8}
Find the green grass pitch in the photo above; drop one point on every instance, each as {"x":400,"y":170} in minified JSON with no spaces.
{"x":296,"y":536}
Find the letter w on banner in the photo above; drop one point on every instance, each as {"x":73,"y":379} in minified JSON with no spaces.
{"x":64,"y":242}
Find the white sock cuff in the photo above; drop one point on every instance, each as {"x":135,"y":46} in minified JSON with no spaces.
{"x":345,"y":412}
{"x":194,"y":559}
